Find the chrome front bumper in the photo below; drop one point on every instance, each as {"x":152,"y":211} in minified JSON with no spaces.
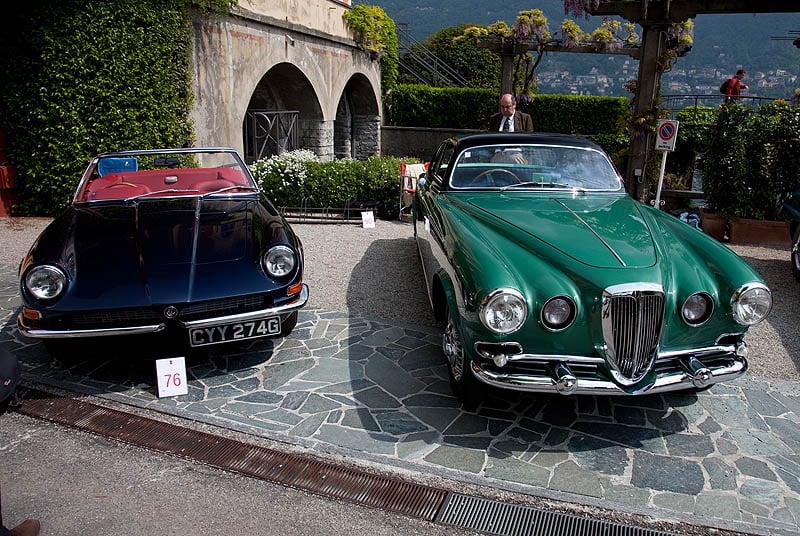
{"x":675,"y":371}
{"x":37,"y":333}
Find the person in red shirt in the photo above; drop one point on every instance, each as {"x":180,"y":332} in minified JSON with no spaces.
{"x":735,"y":86}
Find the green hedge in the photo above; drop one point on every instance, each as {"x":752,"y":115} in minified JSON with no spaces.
{"x":413,"y":105}
{"x":298,"y":179}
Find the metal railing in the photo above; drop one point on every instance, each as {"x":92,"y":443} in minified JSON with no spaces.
{"x":677,"y":103}
{"x":268,"y":133}
{"x":438,"y":72}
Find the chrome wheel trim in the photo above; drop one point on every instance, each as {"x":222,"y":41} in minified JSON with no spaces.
{"x":453,"y":350}
{"x":796,"y":252}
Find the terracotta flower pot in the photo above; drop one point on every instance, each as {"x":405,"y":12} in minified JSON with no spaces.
{"x":8,"y":175}
{"x":760,"y":232}
{"x":714,"y":225}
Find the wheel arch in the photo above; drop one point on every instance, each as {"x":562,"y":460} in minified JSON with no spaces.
{"x":442,"y":294}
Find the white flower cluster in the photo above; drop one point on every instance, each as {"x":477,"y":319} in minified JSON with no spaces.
{"x":289,"y":167}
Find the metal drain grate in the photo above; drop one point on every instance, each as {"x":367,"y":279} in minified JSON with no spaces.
{"x":493,"y":517}
{"x":359,"y":487}
{"x":294,"y":471}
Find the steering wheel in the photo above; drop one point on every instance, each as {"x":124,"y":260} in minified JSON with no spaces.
{"x":488,"y":171}
{"x":120,"y":183}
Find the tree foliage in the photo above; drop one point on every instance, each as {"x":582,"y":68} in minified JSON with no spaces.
{"x":530,"y":37}
{"x":532,"y":31}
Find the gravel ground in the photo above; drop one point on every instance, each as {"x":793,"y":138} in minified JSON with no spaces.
{"x":375,"y":273}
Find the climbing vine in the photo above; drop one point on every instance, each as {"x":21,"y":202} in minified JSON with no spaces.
{"x":374,"y":32}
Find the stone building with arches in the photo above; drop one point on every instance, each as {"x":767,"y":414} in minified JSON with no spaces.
{"x":280,"y":75}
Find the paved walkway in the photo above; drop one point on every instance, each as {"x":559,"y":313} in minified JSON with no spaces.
{"x":726,"y":458}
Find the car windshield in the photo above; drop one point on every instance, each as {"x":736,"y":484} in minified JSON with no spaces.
{"x":534,"y":166}
{"x":151,"y":174}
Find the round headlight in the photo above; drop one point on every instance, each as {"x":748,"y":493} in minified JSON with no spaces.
{"x":503,"y":311}
{"x":697,"y":308}
{"x":279,"y":261}
{"x":558,"y":313}
{"x":751,"y":304}
{"x":45,"y":282}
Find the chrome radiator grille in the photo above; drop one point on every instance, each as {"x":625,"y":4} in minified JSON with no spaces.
{"x":152,"y":315}
{"x":633,"y":315}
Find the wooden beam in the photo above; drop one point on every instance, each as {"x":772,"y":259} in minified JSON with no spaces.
{"x":632,"y":51}
{"x":640,"y":11}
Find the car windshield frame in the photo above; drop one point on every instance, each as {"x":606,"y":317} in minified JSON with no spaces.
{"x":126,"y":176}
{"x":533,"y":167}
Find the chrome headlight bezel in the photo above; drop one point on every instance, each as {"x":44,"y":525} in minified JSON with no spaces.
{"x":697,"y":308}
{"x":45,"y":282}
{"x":751,"y":303}
{"x":279,"y":261}
{"x":558,"y":313}
{"x":503,"y":311}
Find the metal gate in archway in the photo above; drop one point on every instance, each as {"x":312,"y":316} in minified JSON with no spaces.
{"x":268,"y":133}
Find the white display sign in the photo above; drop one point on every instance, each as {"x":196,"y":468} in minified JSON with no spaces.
{"x":171,"y":374}
{"x":368,"y":219}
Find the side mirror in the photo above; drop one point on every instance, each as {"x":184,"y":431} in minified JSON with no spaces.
{"x":421,"y":182}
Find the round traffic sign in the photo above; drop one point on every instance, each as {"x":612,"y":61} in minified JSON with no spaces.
{"x":666,"y":131}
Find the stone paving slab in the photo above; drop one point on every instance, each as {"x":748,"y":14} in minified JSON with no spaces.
{"x":728,"y":457}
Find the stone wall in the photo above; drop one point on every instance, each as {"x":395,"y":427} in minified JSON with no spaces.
{"x":317,"y":15}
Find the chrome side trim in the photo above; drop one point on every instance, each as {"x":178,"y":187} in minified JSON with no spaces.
{"x":35,"y":333}
{"x":78,"y":333}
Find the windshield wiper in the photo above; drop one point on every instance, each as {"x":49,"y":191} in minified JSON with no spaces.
{"x":234,"y":187}
{"x":167,"y":191}
{"x":538,"y":184}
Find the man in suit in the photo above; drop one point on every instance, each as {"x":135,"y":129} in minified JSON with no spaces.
{"x":508,"y":119}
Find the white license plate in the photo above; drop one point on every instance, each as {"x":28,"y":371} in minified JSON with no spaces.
{"x":236,"y":331}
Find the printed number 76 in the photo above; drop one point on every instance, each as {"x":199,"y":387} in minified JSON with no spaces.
{"x":175,"y":378}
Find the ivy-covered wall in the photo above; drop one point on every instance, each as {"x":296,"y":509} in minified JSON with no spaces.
{"x":81,"y":78}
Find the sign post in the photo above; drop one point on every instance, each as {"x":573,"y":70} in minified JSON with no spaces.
{"x":665,"y":142}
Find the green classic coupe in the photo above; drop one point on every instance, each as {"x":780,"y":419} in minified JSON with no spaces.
{"x":550,"y":278}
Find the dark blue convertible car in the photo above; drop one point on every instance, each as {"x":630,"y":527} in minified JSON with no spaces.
{"x":178,"y":242}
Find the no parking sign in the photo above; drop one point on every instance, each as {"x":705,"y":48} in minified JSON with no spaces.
{"x":665,"y":141}
{"x":666,"y":135}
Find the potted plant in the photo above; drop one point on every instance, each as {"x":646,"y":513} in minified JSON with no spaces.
{"x":749,"y":162}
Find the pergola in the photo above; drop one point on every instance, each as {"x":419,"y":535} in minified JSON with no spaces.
{"x":655,"y":17}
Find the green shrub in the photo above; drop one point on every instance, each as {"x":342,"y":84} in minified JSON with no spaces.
{"x":298,"y":179}
{"x":750,"y":160}
{"x":694,"y":125}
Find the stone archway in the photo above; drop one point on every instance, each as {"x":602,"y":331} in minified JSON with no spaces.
{"x":295,"y":74}
{"x":356,"y":129}
{"x":284,"y":114}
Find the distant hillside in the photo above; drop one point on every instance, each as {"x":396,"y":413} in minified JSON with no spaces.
{"x":722,"y":42}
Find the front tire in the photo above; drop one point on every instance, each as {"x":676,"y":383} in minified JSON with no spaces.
{"x":796,"y":253}
{"x":462,"y":382}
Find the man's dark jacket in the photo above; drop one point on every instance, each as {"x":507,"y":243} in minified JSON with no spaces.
{"x":522,"y":122}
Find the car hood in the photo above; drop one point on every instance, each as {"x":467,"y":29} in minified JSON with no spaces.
{"x":168,"y":251}
{"x":600,"y":230}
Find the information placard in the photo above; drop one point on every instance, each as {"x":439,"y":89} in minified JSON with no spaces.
{"x":171,"y":374}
